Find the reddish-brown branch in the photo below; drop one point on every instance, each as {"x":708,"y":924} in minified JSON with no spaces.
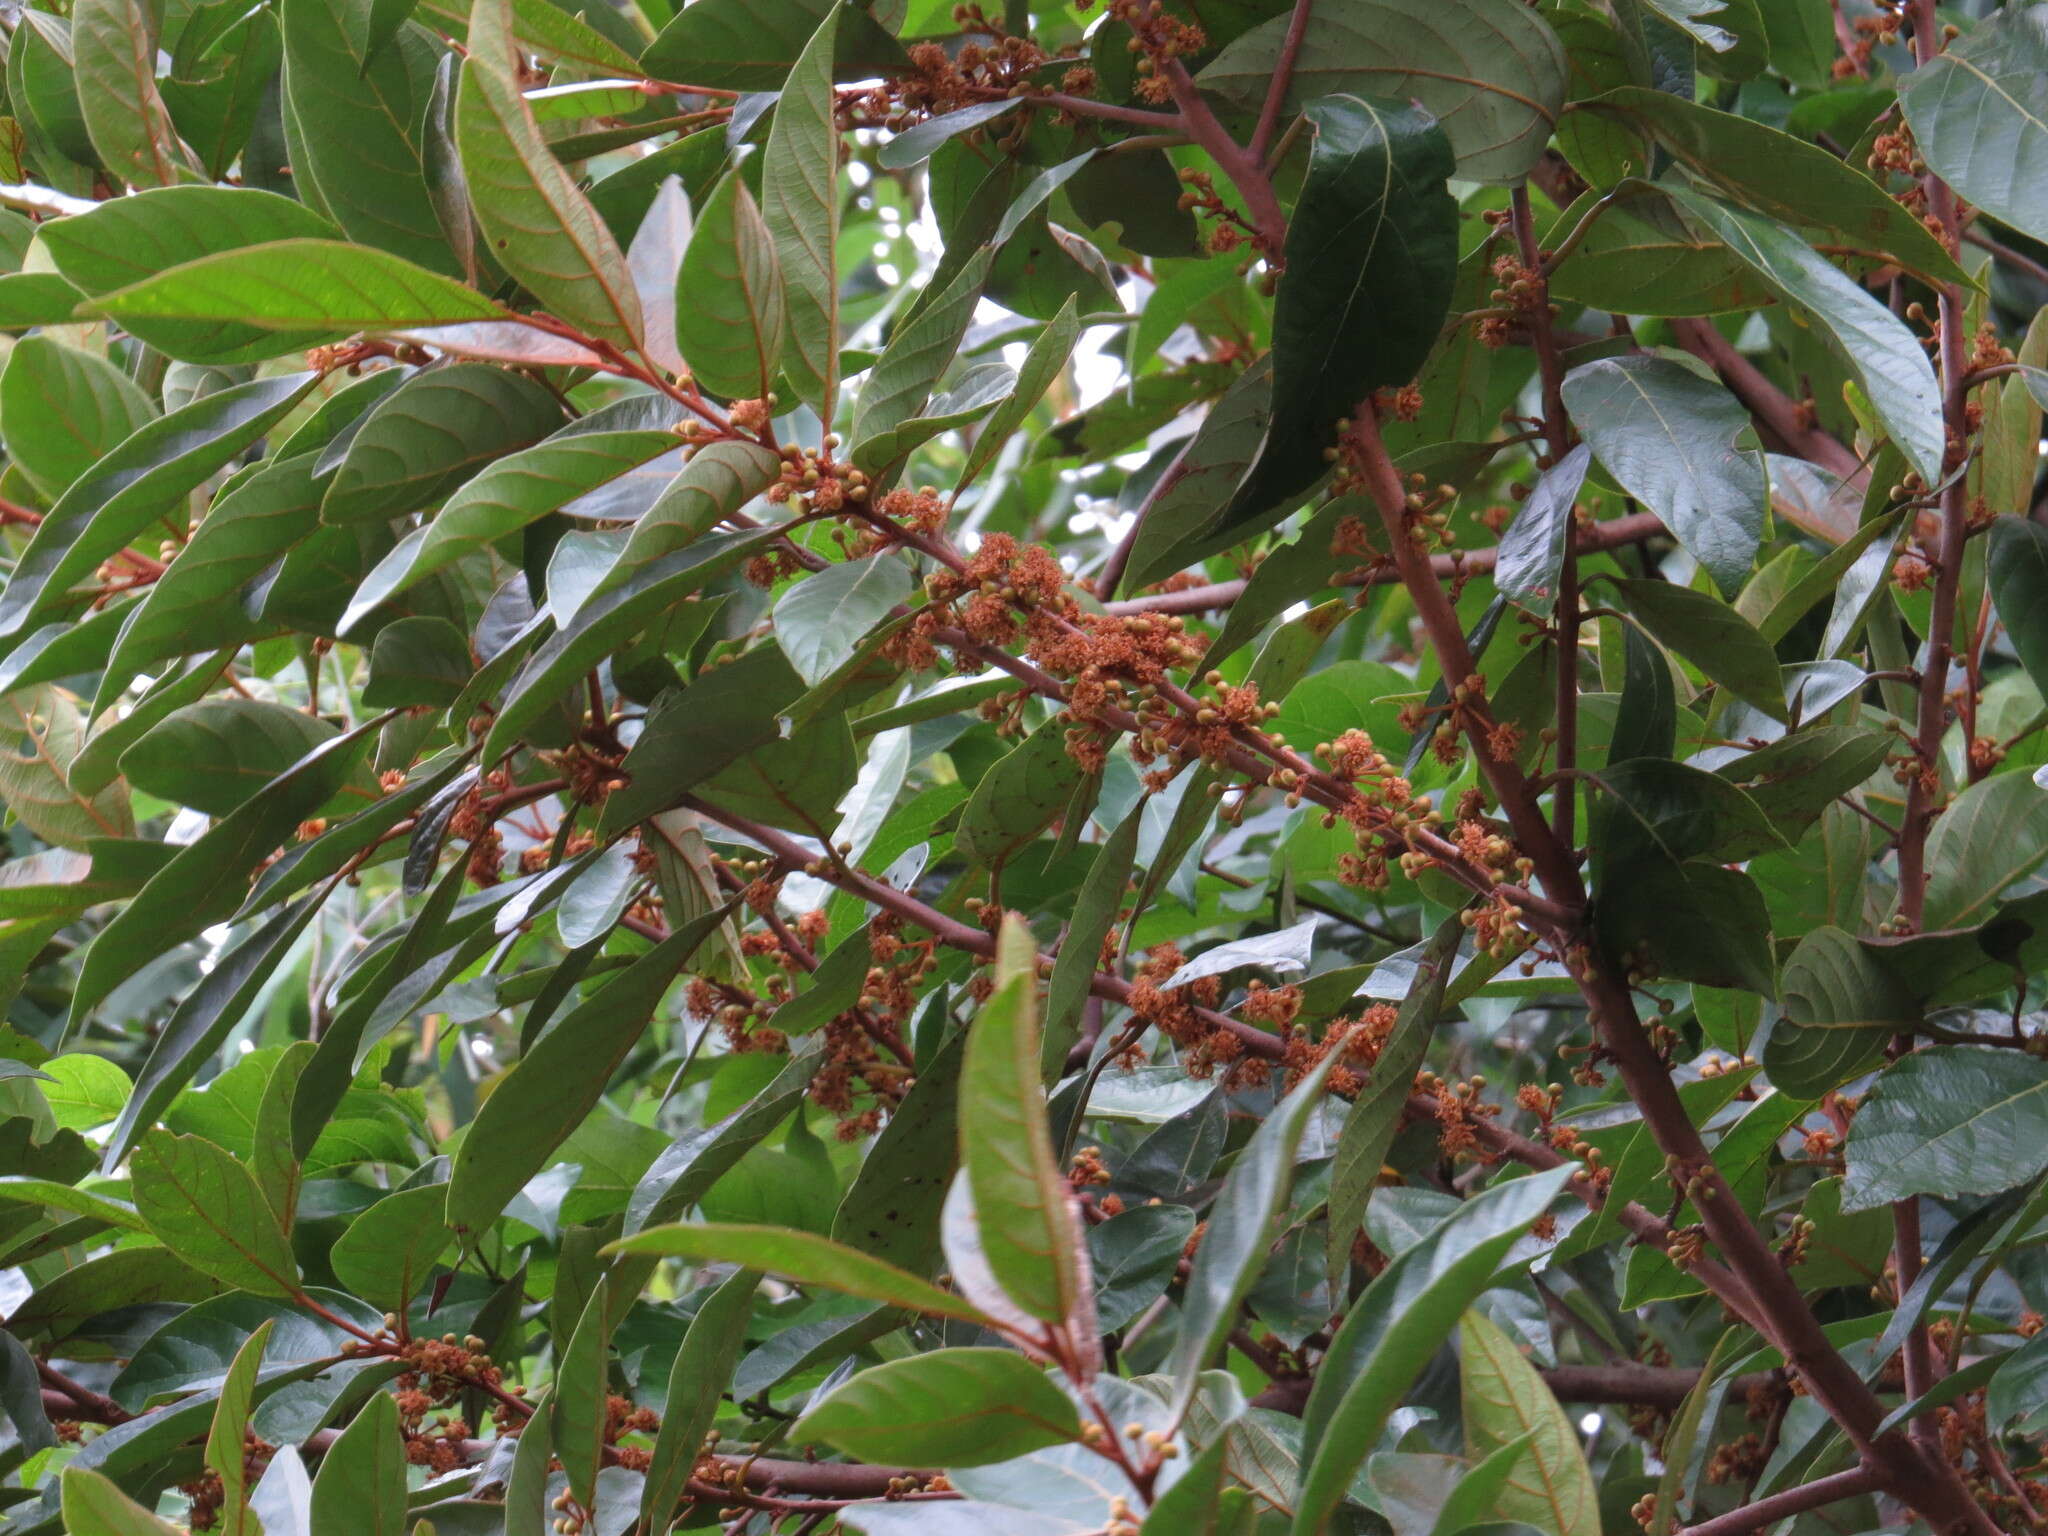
{"x":1632,"y":529}
{"x":1818,"y":1494}
{"x":1782,"y":1314}
{"x":1282,"y":81}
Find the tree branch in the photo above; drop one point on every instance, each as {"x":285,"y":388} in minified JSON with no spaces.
{"x":1817,"y":1494}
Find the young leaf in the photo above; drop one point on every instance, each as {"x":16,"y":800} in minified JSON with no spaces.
{"x":1027,"y":1225}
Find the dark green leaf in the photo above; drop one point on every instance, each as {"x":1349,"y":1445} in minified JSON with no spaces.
{"x":1374,"y":218}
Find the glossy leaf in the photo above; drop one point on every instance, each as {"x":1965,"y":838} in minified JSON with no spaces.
{"x":1374,"y":218}
{"x":1948,"y":1120}
{"x":729,"y":305}
{"x":1674,"y":441}
{"x":955,"y":1407}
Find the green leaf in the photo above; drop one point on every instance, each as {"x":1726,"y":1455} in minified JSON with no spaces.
{"x":1243,"y":1224}
{"x":1506,"y":1401}
{"x":135,"y":483}
{"x":1713,"y":637}
{"x":203,"y":1203}
{"x":308,"y":290}
{"x":739,"y":46}
{"x":820,"y":620}
{"x":128,"y":240}
{"x":431,"y":434}
{"x":354,"y":128}
{"x":215,"y":754}
{"x":1782,"y":176}
{"x":2017,"y":570}
{"x":1793,"y":780}
{"x":918,"y":352}
{"x":1991,"y":835}
{"x":1673,"y":441}
{"x":388,"y":1251}
{"x":63,"y":410}
{"x":729,"y":307}
{"x":597,"y":629}
{"x":1884,"y":358}
{"x":273,"y":1159}
{"x":578,"y":1412}
{"x":361,"y":1483}
{"x":891,"y":1211}
{"x":1642,"y":257}
{"x":41,"y":732}
{"x":1494,"y":76}
{"x":505,"y":496}
{"x":712,"y":1347}
{"x":418,"y":662}
{"x":1681,"y":811}
{"x":96,"y":1506}
{"x":802,"y":1257}
{"x":1043,"y":362}
{"x":1376,"y":1111}
{"x":1095,"y":910}
{"x":1532,"y":546}
{"x":1028,"y":1229}
{"x":1947,"y":1120}
{"x":951,"y":1407}
{"x":558,"y":1083}
{"x":800,"y":206}
{"x":1018,"y":797}
{"x":192,"y":607}
{"x":546,"y":29}
{"x":715,"y":483}
{"x":226,"y":1440}
{"x":208,"y":878}
{"x":1691,"y":921}
{"x":1840,"y":1009}
{"x":1374,"y":218}
{"x":1979,"y":114}
{"x":1394,"y":1328}
{"x":114,"y":51}
{"x":540,"y":226}
{"x":202,"y":1021}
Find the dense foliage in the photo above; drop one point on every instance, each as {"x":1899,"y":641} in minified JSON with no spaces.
{"x":1234,"y":766}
